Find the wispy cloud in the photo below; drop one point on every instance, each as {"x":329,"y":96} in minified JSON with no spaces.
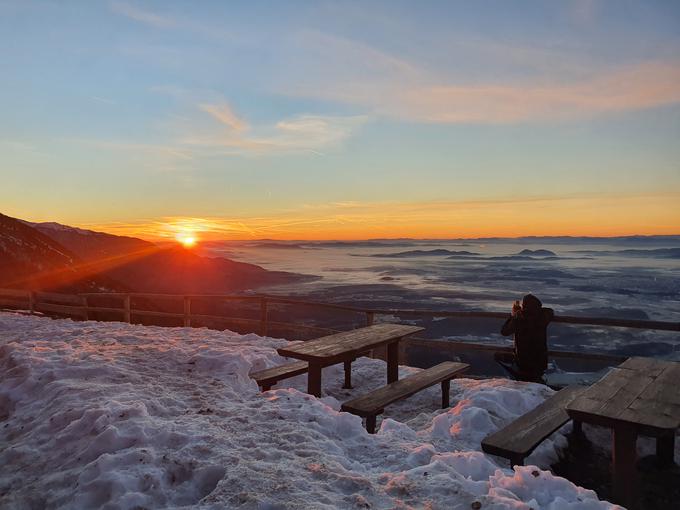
{"x":231,"y":134}
{"x":223,"y":113}
{"x":143,"y":16}
{"x":357,"y":74}
{"x":619,"y":214}
{"x":127,"y":146}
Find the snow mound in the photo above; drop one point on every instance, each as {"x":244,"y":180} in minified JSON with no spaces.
{"x":115,"y":416}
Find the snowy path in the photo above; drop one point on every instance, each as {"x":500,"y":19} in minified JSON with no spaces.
{"x":109,"y":415}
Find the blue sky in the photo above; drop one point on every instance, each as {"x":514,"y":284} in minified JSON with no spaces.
{"x":342,"y":119}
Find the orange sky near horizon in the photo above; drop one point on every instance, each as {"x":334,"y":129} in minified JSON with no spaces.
{"x":606,"y":216}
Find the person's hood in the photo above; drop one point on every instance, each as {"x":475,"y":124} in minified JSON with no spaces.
{"x":531,"y":303}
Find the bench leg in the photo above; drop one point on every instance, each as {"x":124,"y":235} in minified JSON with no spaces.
{"x":577,"y":429}
{"x":370,"y":424}
{"x":446,"y":389}
{"x":624,"y":457}
{"x":266,"y":387}
{"x":314,"y":379}
{"x":665,"y":449}
{"x":516,"y":460}
{"x":392,"y":362}
{"x":348,"y":375}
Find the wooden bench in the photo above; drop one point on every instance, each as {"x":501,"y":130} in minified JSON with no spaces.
{"x":373,"y":404}
{"x":270,"y":376}
{"x":518,"y":439}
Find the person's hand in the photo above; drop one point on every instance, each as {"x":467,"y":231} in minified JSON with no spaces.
{"x":516,"y":308}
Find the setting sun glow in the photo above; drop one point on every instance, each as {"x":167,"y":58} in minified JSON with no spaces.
{"x":186,"y":240}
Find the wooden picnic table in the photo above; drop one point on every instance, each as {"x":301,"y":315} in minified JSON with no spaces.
{"x":346,"y":347}
{"x":640,"y":396}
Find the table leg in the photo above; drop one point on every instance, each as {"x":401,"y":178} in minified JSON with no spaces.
{"x":624,"y":453}
{"x":314,"y":379}
{"x":348,"y":375}
{"x":392,"y":362}
{"x":446,"y":389}
{"x":577,"y":430}
{"x":665,"y":450}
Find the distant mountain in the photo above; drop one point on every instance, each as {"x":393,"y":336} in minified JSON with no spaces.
{"x":538,"y":253}
{"x":141,"y":266}
{"x":90,"y":245}
{"x":30,"y":259}
{"x":424,"y":253}
{"x":662,"y":253}
{"x":180,"y":271}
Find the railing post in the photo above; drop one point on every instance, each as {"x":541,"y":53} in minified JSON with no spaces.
{"x":187,"y":312}
{"x":31,"y":301}
{"x":127,"y":310}
{"x":86,"y":312}
{"x":263,"y":317}
{"x":380,"y":352}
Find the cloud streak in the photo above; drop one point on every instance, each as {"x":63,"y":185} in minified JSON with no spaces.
{"x":230,"y":134}
{"x":357,"y":74}
{"x":619,"y":214}
{"x":143,"y":16}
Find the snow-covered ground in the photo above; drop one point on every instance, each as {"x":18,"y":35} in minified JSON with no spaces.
{"x":109,"y":415}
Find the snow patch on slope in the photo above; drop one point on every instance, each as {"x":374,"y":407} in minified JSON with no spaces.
{"x":119,"y":416}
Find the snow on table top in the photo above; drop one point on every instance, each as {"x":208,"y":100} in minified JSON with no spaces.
{"x":111,"y":415}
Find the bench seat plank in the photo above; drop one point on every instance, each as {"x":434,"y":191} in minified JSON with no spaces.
{"x":372,"y":404}
{"x":270,"y":376}
{"x":518,"y":439}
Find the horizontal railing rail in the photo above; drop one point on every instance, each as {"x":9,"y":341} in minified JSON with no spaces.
{"x":80,"y":305}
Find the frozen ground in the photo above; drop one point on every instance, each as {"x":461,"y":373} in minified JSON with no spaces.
{"x":109,"y":415}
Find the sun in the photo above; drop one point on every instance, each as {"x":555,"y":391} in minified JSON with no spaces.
{"x":186,"y":240}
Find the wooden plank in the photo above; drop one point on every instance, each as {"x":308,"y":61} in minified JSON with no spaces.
{"x":105,"y":309}
{"x":456,"y":346}
{"x":605,"y":401}
{"x":23,"y":294}
{"x":373,"y":402}
{"x":519,"y":438}
{"x":628,"y":395}
{"x":270,"y":376}
{"x":652,"y":413}
{"x":60,"y":299}
{"x":646,"y":366}
{"x":348,"y":343}
{"x":222,"y":318}
{"x":292,"y":301}
{"x":15,"y":302}
{"x":62,"y":309}
{"x":666,"y":387}
{"x":592,"y":321}
{"x":625,"y":396}
{"x":150,"y":313}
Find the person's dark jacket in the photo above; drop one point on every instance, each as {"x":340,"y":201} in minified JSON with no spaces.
{"x":531,"y":337}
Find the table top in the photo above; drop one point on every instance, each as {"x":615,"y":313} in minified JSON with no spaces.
{"x":341,"y":346}
{"x":641,"y":391}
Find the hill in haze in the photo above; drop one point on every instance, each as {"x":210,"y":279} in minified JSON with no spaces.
{"x":50,"y":256}
{"x":90,"y":245}
{"x":30,"y":259}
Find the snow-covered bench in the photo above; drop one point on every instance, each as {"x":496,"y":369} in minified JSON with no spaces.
{"x":373,"y":404}
{"x":270,"y":376}
{"x":518,"y":439}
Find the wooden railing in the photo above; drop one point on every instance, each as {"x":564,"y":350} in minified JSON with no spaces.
{"x":80,"y":306}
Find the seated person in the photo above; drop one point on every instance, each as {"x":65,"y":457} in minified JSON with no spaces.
{"x":529,"y":323}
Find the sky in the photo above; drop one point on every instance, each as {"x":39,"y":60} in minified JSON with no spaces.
{"x":342,"y":120}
